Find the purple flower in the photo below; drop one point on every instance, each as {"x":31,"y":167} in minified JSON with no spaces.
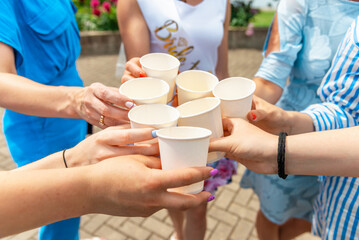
{"x":95,"y":3}
{"x":250,"y":30}
{"x":106,"y":6}
{"x":96,"y":12}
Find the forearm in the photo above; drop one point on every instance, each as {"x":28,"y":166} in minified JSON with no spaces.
{"x":28,"y":97}
{"x":34,"y":198}
{"x":267,"y":90}
{"x":332,"y":153}
{"x":298,"y":122}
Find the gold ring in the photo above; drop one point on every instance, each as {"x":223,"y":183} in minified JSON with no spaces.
{"x":101,"y":122}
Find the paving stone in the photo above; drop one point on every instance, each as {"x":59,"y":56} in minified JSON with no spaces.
{"x":243,"y":196}
{"x":254,"y":203}
{"x":242,"y":230}
{"x":224,"y":199}
{"x":158,"y":227}
{"x":211,"y":223}
{"x":132,"y":230}
{"x":95,"y":223}
{"x":243,"y":212}
{"x":137,"y":220}
{"x":223,"y":216}
{"x":116,"y":222}
{"x":161,"y":215}
{"x":107,"y":232}
{"x":25,"y":235}
{"x":156,"y":237}
{"x":221,"y":232}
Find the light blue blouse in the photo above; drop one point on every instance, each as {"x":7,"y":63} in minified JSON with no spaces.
{"x":310,"y":32}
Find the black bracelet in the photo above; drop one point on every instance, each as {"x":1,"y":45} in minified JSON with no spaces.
{"x":63,"y":157}
{"x":281,"y":155}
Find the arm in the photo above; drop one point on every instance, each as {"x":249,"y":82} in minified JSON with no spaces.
{"x":331,"y":153}
{"x":134,"y":32}
{"x":29,"y":97}
{"x":122,"y":186}
{"x":284,"y":42}
{"x":111,"y":142}
{"x":222,"y":62}
{"x":265,"y":89}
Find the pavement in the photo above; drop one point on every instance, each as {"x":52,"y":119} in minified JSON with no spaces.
{"x":231,"y":216}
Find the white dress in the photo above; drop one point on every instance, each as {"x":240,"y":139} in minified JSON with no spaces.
{"x":193,"y":35}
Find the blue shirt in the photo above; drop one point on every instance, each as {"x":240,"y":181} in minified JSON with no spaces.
{"x":337,"y":207}
{"x":310,"y":32}
{"x":45,"y":39}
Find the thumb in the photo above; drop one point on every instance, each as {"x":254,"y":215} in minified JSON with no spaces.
{"x":219,"y":145}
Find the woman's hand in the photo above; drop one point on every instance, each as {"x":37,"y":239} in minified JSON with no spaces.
{"x":96,"y":105}
{"x":133,"y":69}
{"x":274,"y":119}
{"x":247,"y":144}
{"x":134,"y":186}
{"x":111,"y":142}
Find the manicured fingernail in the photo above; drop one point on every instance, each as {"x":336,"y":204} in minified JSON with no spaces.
{"x":210,"y":198}
{"x":154,"y":133}
{"x":179,"y":71}
{"x":214,"y":172}
{"x":142,"y":74}
{"x":130,"y":105}
{"x":254,"y":116}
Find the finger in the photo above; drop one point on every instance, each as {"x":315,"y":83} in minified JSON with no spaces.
{"x":134,"y":67}
{"x":227,"y":124}
{"x":254,"y":106}
{"x":257,"y":115}
{"x":109,"y":121}
{"x":129,"y":136}
{"x":143,"y":149}
{"x":148,"y":161}
{"x":126,"y":76}
{"x":219,"y":144}
{"x":113,"y":96}
{"x":173,"y":200}
{"x":183,"y":177}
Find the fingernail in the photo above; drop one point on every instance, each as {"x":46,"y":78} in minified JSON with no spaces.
{"x":130,"y":105}
{"x":154,"y":133}
{"x":210,"y":198}
{"x":254,"y":116}
{"x":214,"y":172}
{"x":142,"y":74}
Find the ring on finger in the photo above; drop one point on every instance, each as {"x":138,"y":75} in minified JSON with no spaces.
{"x":101,"y":122}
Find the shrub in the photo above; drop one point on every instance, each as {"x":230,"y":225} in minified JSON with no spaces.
{"x":242,"y":13}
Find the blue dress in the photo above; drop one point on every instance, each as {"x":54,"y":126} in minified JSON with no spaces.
{"x":45,"y":39}
{"x":310,"y":32}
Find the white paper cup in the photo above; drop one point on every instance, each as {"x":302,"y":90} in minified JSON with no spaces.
{"x":153,"y":115}
{"x":206,"y":113}
{"x":236,"y":96}
{"x":145,"y":90}
{"x":162,"y":66}
{"x":183,"y":147}
{"x":194,"y":84}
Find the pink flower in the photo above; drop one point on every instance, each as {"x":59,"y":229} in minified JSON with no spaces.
{"x":106,"y":6}
{"x":250,"y":30}
{"x":94,"y":3}
{"x":114,"y":1}
{"x":225,"y":169}
{"x":96,"y":12}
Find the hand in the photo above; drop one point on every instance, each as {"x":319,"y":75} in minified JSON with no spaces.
{"x":247,"y":144}
{"x":111,"y":142}
{"x":134,"y":186}
{"x":98,"y":100}
{"x":133,"y":69}
{"x":269,"y":117}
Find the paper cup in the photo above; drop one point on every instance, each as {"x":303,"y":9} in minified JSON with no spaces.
{"x":236,"y":96}
{"x":206,"y":113}
{"x":153,"y":115}
{"x":194,"y":84}
{"x":183,"y":147}
{"x":162,"y":66}
{"x":145,"y":90}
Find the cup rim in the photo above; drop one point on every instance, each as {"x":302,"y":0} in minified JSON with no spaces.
{"x":160,"y":69}
{"x":136,"y":108}
{"x":202,"y":112}
{"x":193,"y":91}
{"x":144,"y":78}
{"x":239,"y":98}
{"x":206,"y":133}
